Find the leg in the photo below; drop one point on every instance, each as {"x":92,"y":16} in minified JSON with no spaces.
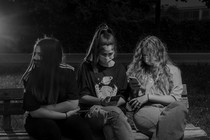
{"x":75,"y":127}
{"x":96,"y":125}
{"x":108,"y":132}
{"x":172,"y":122}
{"x":43,"y":129}
{"x":146,"y":120}
{"x":117,"y":124}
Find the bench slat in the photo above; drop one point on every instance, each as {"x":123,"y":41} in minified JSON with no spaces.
{"x":12,"y":108}
{"x":11,"y":94}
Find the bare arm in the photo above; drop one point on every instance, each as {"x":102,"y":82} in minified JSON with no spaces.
{"x":87,"y":99}
{"x":165,"y":99}
{"x":63,"y":106}
{"x":176,"y":91}
{"x":45,"y":113}
{"x":121,"y":101}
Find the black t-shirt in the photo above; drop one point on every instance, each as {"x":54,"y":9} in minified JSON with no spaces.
{"x":109,"y":81}
{"x":68,"y":89}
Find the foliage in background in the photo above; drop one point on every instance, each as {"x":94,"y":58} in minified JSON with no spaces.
{"x":74,"y":23}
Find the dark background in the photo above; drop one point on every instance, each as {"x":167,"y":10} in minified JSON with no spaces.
{"x":74,"y":22}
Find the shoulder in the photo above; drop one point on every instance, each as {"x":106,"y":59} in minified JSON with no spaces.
{"x":64,"y":66}
{"x":173,"y":69}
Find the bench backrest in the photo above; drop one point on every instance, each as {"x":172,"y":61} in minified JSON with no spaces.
{"x":11,"y":104}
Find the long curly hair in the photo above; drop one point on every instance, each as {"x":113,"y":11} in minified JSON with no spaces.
{"x":153,"y":47}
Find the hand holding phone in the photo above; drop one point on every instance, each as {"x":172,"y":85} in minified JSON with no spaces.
{"x":133,"y":80}
{"x":134,"y":83}
{"x":115,"y":98}
{"x":110,"y":101}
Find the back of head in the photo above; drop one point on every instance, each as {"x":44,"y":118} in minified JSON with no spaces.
{"x":41,"y":78}
{"x":51,"y":52}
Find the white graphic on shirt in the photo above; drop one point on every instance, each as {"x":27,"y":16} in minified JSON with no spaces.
{"x":105,"y":87}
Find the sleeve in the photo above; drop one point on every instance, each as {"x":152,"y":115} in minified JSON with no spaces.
{"x":84,"y":79}
{"x":30,"y":103}
{"x":122,"y":83}
{"x":72,"y":92}
{"x":177,"y":84}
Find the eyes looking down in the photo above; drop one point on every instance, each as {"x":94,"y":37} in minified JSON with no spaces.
{"x":106,"y":54}
{"x":150,"y":58}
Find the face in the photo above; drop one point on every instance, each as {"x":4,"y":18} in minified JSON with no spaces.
{"x":149,"y":59}
{"x":37,"y":55}
{"x":107,"y":54}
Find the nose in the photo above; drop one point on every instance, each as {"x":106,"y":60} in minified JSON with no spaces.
{"x":107,"y":56}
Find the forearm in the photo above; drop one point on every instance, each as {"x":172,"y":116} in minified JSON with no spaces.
{"x":87,"y":99}
{"x":164,"y":99}
{"x":45,"y":113}
{"x":63,"y":106}
{"x":121,"y":101}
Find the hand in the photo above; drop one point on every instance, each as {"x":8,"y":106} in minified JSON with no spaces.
{"x":72,"y":112}
{"x":95,"y":111}
{"x":108,"y":102}
{"x":105,"y":101}
{"x":136,"y":89}
{"x":136,"y":103}
{"x":134,"y":84}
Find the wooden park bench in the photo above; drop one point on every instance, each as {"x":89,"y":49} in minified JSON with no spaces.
{"x":11,"y":104}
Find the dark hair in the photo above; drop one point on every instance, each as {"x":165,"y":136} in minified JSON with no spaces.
{"x":51,"y":50}
{"x":103,"y":36}
{"x":42,"y":80}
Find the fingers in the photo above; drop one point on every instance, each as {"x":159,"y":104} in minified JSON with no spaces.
{"x":94,"y":111}
{"x":135,"y":104}
{"x":107,"y":99}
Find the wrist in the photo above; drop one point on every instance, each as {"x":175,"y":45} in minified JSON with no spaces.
{"x":101,"y":101}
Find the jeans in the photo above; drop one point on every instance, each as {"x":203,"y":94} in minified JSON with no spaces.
{"x":112,"y":122}
{"x":162,"y":123}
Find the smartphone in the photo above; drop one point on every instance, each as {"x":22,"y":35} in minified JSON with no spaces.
{"x":134,"y":79}
{"x":114,"y":98}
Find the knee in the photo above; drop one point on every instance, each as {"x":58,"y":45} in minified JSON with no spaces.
{"x":142,"y":122}
{"x":115,"y":109}
{"x":144,"y":125}
{"x":114,"y":118}
{"x":179,"y":107}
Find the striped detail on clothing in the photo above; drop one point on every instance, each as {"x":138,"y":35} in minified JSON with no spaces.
{"x":66,"y":66}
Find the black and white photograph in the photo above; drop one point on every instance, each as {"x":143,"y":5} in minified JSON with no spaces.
{"x":104,"y":69}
